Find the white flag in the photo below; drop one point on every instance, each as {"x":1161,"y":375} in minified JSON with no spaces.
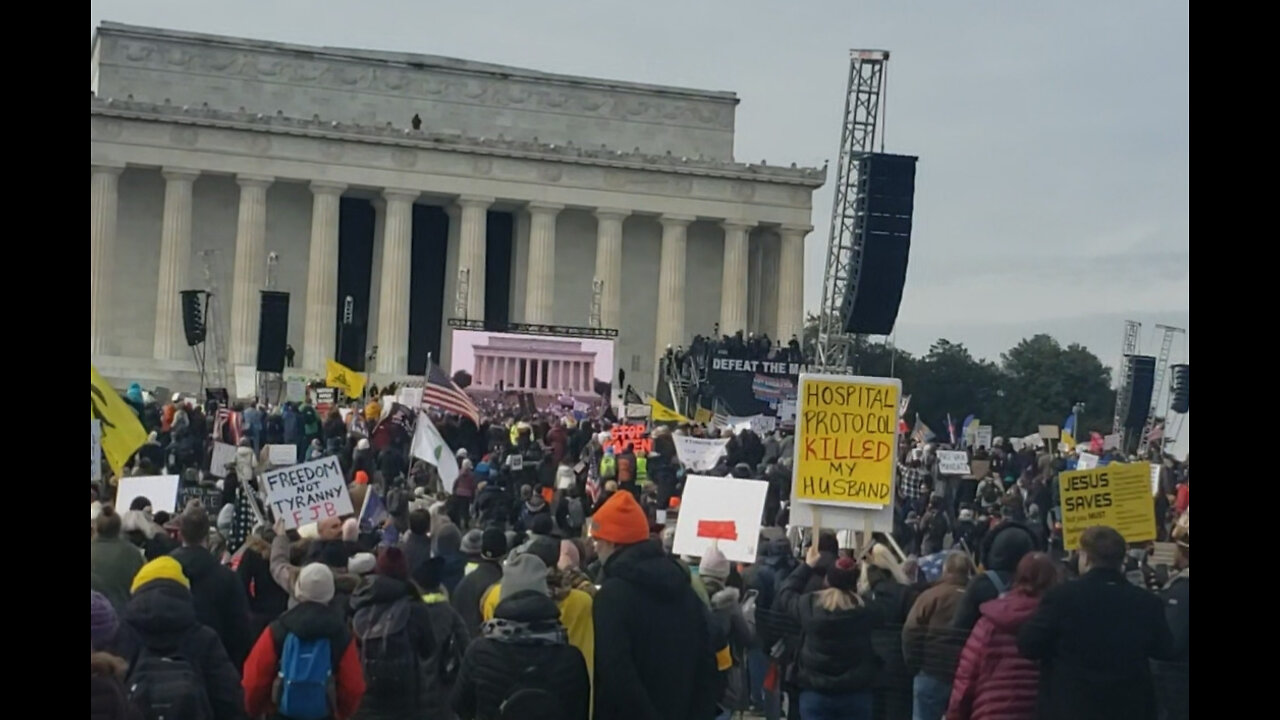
{"x":429,"y":446}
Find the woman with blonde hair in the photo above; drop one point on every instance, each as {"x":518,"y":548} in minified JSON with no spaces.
{"x":836,"y":665}
{"x":888,"y":594}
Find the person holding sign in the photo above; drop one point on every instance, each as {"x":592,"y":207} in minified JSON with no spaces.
{"x":1096,"y":637}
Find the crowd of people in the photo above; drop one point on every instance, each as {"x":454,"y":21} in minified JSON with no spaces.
{"x":545,"y":585}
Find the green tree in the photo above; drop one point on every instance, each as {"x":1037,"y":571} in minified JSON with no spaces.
{"x":1045,"y":380}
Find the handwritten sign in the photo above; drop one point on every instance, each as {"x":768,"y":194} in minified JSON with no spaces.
{"x":982,"y":438}
{"x":953,"y":462}
{"x":325,"y":397}
{"x":699,"y":454}
{"x":846,"y":440}
{"x":95,"y":449}
{"x":223,"y":455}
{"x":307,"y":493}
{"x":724,"y":512}
{"x":209,"y":497}
{"x":282,"y":455}
{"x":1087,"y":461}
{"x":620,"y":436}
{"x":1117,"y":495}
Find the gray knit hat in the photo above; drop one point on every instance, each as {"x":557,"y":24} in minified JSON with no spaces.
{"x":524,"y":573}
{"x":472,"y":542}
{"x":315,"y":584}
{"x":714,"y":565}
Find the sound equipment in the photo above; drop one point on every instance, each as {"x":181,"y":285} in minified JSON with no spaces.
{"x":1181,"y":389}
{"x":883,"y":213}
{"x":1141,"y":378}
{"x":193,"y":315}
{"x":273,"y":331}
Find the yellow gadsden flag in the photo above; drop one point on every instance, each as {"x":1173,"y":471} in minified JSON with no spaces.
{"x":345,"y":379}
{"x":662,"y":413}
{"x":122,"y":434}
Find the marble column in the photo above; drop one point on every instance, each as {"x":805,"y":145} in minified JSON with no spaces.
{"x":319,"y":339}
{"x":250,"y":268}
{"x":791,"y":282}
{"x":104,"y":206}
{"x":540,"y":287}
{"x":393,"y":302}
{"x":175,"y":264}
{"x":609,"y":264}
{"x":733,"y":279}
{"x":671,"y":272}
{"x":375,"y":273}
{"x":471,"y":251}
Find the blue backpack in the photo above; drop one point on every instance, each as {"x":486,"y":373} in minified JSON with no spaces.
{"x":303,"y":686}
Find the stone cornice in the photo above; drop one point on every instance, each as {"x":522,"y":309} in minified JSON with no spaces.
{"x":316,"y":127}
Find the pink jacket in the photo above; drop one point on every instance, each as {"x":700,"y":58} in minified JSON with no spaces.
{"x":994,"y":682}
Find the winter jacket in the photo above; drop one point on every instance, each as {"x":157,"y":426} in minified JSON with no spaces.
{"x":1002,"y":547}
{"x":729,"y":629}
{"x":309,"y":621}
{"x":654,"y":659}
{"x":161,"y":617}
{"x":467,"y":596}
{"x":417,"y":550}
{"x":496,"y":666}
{"x":1172,"y":679}
{"x":1177,"y":607}
{"x":286,"y":574}
{"x":929,"y":643}
{"x":375,"y":595}
{"x":267,"y":600}
{"x":219,"y":598}
{"x":835,"y":654}
{"x":993,"y":681}
{"x":442,"y":668}
{"x":575,"y":613}
{"x":1096,"y":636}
{"x":113,"y":563}
{"x":108,"y":699}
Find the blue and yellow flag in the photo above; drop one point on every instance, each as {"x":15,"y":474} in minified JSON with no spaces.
{"x":345,"y":379}
{"x":1067,"y":437}
{"x":122,"y":433}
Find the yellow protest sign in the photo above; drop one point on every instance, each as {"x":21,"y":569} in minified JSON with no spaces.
{"x":662,"y":413}
{"x":846,"y":440}
{"x":345,"y":379}
{"x":122,"y":434}
{"x":1116,"y":495}
{"x":702,"y":415}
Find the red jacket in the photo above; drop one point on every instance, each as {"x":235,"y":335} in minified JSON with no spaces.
{"x":993,"y":681}
{"x":307,"y":620}
{"x":1183,"y":500}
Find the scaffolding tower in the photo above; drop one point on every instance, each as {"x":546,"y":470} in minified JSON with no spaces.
{"x":1124,"y":392}
{"x":863,"y":101}
{"x":1157,"y":387}
{"x":214,"y":344}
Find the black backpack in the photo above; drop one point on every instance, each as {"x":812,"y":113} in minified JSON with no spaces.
{"x":167,"y":686}
{"x":386,"y":650}
{"x":529,"y":699}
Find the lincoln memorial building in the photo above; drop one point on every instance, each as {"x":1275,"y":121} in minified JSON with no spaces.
{"x":545,"y":366}
{"x":389,"y":192}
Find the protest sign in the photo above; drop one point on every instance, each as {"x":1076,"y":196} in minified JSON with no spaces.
{"x":295,"y":388}
{"x":307,"y":493}
{"x":699,"y":454}
{"x":210,"y":497}
{"x":1155,"y":479}
{"x":1111,"y":441}
{"x":95,"y":449}
{"x":282,"y":455}
{"x":1087,"y":461}
{"x":1048,"y":432}
{"x":324,"y":399}
{"x":410,"y":397}
{"x":1033,"y":440}
{"x":1116,"y":496}
{"x":160,"y":490}
{"x":224,"y":454}
{"x":953,"y":462}
{"x":246,"y":377}
{"x":620,"y":436}
{"x":980,"y":468}
{"x":846,"y":440}
{"x":982,"y":437}
{"x":1164,"y":553}
{"x":637,"y":411}
{"x":758,"y":424}
{"x":724,"y":512}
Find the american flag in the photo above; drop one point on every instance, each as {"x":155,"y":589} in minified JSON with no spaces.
{"x":593,"y":479}
{"x":440,"y":392}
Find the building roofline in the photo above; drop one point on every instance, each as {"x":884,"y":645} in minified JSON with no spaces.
{"x":410,"y":60}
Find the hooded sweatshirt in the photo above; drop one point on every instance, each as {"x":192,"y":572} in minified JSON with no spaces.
{"x":993,"y":681}
{"x":654,"y":658}
{"x":1002,"y":548}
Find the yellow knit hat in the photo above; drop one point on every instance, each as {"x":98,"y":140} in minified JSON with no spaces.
{"x":162,"y":568}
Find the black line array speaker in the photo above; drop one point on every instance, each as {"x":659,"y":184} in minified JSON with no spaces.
{"x":1141,"y":371}
{"x":193,"y":316}
{"x":273,"y":331}
{"x":1181,"y":389}
{"x":884,"y":211}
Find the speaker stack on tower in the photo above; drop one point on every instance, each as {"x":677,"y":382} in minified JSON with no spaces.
{"x":1181,"y":389}
{"x":273,"y":331}
{"x":193,"y":307}
{"x":1141,"y":378}
{"x":883,"y":211}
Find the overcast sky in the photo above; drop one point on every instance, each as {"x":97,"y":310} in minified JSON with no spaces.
{"x":1053,"y":137}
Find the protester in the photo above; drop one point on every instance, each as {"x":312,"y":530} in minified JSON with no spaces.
{"x":731,"y":637}
{"x":1002,"y":550}
{"x":113,"y":561}
{"x":473,"y":588}
{"x":218,"y":596}
{"x":306,"y":661}
{"x":992,"y":681}
{"x":930,"y":646}
{"x":417,"y":542}
{"x":654,"y":656}
{"x":523,"y":665}
{"x":1096,"y":637}
{"x":451,"y":640}
{"x":177,"y":666}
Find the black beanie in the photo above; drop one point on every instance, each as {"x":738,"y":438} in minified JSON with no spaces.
{"x":493,"y":544}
